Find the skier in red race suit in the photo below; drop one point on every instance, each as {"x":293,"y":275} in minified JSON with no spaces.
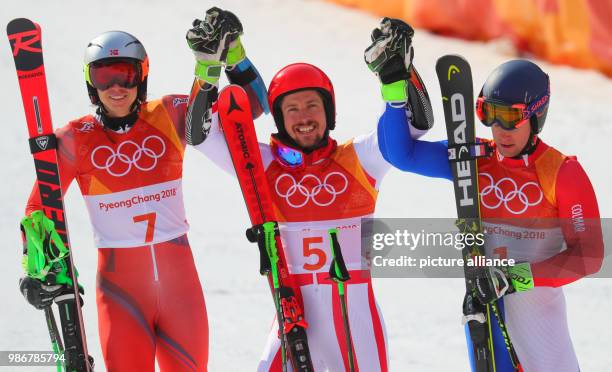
{"x":538,"y":207}
{"x":316,"y":184}
{"x":127,"y":160}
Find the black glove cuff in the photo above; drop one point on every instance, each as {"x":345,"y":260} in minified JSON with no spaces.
{"x":242,"y":78}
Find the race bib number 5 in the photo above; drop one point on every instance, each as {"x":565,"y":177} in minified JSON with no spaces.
{"x":313,"y":254}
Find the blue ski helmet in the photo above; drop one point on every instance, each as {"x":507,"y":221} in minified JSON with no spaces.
{"x":519,"y":82}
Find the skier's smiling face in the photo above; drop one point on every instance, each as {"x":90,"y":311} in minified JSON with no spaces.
{"x":118,"y":100}
{"x":510,"y":143}
{"x":304,"y":117}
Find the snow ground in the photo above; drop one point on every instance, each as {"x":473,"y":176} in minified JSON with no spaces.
{"x":422,"y":316}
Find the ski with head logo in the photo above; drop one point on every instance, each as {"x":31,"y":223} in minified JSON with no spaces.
{"x":455,"y":77}
{"x":237,"y":124}
{"x":26,"y":46}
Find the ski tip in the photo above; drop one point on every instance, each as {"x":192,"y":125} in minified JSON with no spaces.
{"x":450,"y":65}
{"x":236,"y":97}
{"x":232,"y":88}
{"x":20,"y":24}
{"x":450,"y":57}
{"x":25,"y":42}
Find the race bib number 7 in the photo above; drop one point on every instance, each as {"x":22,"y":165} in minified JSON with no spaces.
{"x":149,"y":218}
{"x":135,"y":217}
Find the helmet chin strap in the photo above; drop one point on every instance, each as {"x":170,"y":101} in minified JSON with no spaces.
{"x":533,"y":141}
{"x":120,"y":124}
{"x":530,"y":146}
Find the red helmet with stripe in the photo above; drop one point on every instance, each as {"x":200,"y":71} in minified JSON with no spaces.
{"x":296,"y":77}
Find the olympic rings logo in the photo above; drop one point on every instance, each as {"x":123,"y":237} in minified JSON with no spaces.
{"x":310,"y":192}
{"x":515,"y":193}
{"x":119,"y":157}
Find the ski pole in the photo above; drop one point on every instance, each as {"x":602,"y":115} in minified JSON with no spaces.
{"x":339,"y":274}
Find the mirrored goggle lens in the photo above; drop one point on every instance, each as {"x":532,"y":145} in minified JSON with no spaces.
{"x":104,"y":76}
{"x":289,"y":156}
{"x":508,"y":117}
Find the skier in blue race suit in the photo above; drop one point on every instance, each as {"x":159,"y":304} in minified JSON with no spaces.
{"x":520,"y":179}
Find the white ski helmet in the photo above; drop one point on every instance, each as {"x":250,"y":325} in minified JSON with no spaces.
{"x":120,"y":46}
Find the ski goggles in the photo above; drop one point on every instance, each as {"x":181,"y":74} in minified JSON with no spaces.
{"x":103,"y":75}
{"x":510,"y":116}
{"x":288,"y":156}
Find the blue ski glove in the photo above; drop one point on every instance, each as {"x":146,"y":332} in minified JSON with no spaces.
{"x":213,"y":40}
{"x":492,"y":283}
{"x":390,"y":57}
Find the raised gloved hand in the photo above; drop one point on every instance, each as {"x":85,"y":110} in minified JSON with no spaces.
{"x":215,"y":41}
{"x":390,"y":57}
{"x":491,"y":283}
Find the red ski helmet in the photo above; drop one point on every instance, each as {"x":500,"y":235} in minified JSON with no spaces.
{"x":296,"y":77}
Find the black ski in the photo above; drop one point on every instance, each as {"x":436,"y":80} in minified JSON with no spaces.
{"x":455,"y":77}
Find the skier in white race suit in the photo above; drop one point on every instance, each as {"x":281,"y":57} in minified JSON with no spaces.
{"x":316,"y":184}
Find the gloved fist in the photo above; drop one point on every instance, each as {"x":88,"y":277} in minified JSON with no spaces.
{"x":39,"y":294}
{"x":490,"y":283}
{"x":390,"y":56}
{"x":210,"y":38}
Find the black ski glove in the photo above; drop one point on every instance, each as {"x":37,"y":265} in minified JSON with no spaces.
{"x":390,"y":54}
{"x":39,"y":294}
{"x":42,"y":295}
{"x":491,"y":283}
{"x":215,"y":41}
{"x":210,"y":38}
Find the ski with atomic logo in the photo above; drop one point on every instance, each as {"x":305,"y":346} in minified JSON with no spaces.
{"x":237,"y":124}
{"x":455,"y":78}
{"x":26,"y":46}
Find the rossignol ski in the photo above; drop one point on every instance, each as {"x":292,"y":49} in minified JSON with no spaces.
{"x":237,"y":124}
{"x":455,"y":77}
{"x":26,"y":47}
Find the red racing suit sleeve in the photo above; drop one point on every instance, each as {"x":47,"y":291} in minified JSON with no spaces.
{"x":581,"y":228}
{"x":67,"y":165}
